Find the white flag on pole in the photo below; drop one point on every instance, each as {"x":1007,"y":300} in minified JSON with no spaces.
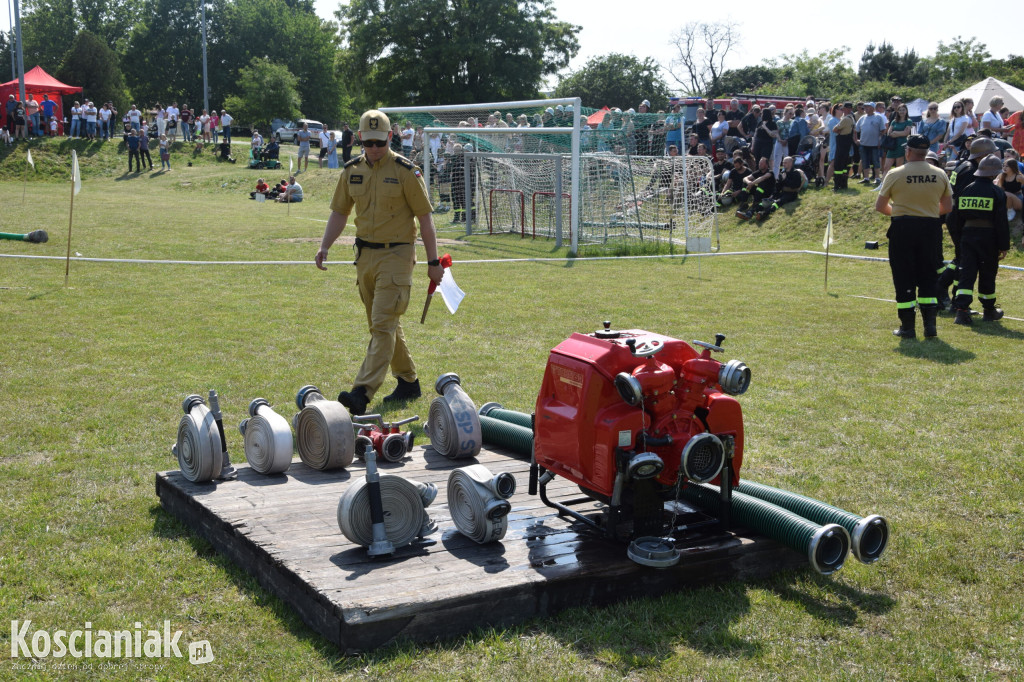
{"x":450,"y":291}
{"x":76,"y":175}
{"x":828,"y":240}
{"x":28,"y":157}
{"x":290,"y":165}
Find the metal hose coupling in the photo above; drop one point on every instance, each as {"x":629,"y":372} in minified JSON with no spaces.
{"x":268,"y":439}
{"x":198,"y":447}
{"x":734,"y":377}
{"x":453,"y":425}
{"x":478,"y":501}
{"x":405,"y":511}
{"x":323,"y":431}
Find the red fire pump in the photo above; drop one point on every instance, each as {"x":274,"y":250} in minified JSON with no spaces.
{"x":630,"y":417}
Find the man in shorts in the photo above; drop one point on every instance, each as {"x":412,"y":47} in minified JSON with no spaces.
{"x":303,"y":137}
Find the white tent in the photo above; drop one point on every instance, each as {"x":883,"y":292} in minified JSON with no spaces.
{"x":916,"y":108}
{"x":982,"y":92}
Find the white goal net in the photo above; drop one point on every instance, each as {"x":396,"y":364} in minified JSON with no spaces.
{"x":536,"y":169}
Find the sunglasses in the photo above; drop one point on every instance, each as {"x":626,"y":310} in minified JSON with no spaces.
{"x":375,"y":143}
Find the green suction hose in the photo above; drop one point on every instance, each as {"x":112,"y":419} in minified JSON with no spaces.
{"x":511,"y":416}
{"x":518,"y":439}
{"x":869,"y":534}
{"x":826,"y":546}
{"x":36,"y":236}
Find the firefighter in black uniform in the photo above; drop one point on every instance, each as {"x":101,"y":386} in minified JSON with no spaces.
{"x":984,"y":241}
{"x":960,"y":179}
{"x":920,"y":193}
{"x":844,"y":146}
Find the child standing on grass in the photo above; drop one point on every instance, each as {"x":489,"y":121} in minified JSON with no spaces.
{"x":165,"y":153}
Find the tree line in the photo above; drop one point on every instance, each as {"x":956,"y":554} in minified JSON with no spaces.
{"x":277,"y":59}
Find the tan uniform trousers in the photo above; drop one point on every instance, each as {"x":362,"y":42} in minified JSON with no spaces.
{"x":384,"y":278}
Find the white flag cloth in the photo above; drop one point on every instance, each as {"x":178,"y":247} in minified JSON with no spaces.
{"x":450,"y":291}
{"x":828,"y":240}
{"x":28,"y":157}
{"x":290,"y":165}
{"x":76,"y":175}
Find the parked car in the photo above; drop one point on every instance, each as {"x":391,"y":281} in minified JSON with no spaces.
{"x":288,"y":132}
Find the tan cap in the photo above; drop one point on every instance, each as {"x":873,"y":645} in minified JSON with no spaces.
{"x":374,"y":125}
{"x":982,"y":146}
{"x":989,"y":167}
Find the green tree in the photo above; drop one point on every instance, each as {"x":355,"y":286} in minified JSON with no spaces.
{"x":284,"y":32}
{"x":94,"y":66}
{"x":826,"y":74}
{"x":163,"y":57}
{"x":48,"y":28}
{"x":616,"y":80}
{"x":434,"y":51}
{"x":265,"y":90}
{"x":962,"y":60}
{"x":751,"y":79}
{"x":110,"y":20}
{"x":885,"y":64}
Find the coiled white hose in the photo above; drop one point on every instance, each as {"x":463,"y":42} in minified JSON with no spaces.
{"x":323,"y":431}
{"x":405,"y":515}
{"x":477,"y":502}
{"x":198,"y":446}
{"x":268,"y":439}
{"x":453,"y":425}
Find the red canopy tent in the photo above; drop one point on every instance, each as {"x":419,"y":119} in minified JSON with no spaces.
{"x":597,"y":116}
{"x":39,"y":83}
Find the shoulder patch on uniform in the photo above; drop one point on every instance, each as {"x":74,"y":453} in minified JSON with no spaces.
{"x":404,"y":162}
{"x":354,"y":161}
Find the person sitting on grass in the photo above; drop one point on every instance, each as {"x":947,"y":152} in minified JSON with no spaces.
{"x":734,"y":183}
{"x":261,"y":188}
{"x":759,"y":185}
{"x":292,"y":194}
{"x":787,"y":188}
{"x":277,"y":189}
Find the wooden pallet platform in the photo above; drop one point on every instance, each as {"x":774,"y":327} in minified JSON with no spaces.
{"x":283,"y":530}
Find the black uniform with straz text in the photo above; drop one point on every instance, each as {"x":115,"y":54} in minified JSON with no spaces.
{"x":984,"y":238}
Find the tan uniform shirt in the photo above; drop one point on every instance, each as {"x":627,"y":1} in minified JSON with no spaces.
{"x":915,"y":189}
{"x":387,"y":198}
{"x":845,"y":125}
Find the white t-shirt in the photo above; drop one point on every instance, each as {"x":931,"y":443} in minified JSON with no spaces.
{"x":133,"y":115}
{"x":172,"y":113}
{"x":325,"y":139}
{"x":226,"y":120}
{"x":407,"y":136}
{"x":90,"y":114}
{"x":994,"y":121}
{"x":105,"y":115}
{"x":958,"y":127}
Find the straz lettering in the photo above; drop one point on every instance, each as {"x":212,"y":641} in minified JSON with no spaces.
{"x":917,"y":179}
{"x":391,"y":181}
{"x":976,"y":203}
{"x":355,"y":179}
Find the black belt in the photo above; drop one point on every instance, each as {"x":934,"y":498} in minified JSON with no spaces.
{"x":363,"y":244}
{"x":978,"y":223}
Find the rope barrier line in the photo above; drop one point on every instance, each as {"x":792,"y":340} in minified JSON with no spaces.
{"x":479,"y":261}
{"x":889,"y":300}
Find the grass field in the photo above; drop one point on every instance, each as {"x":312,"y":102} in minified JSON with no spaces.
{"x":927,"y":434}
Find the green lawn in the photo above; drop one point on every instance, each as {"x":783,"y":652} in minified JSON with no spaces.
{"x":927,"y":434}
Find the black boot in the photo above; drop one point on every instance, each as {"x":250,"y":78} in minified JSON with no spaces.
{"x":928,"y":314}
{"x":963,"y":316}
{"x":355,"y":400}
{"x":406,"y":390}
{"x":992,"y":313}
{"x":907,"y":321}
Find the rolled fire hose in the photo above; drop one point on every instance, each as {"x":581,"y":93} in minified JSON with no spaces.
{"x":826,"y":546}
{"x":478,"y":502}
{"x":453,"y":425}
{"x":518,"y":439}
{"x":869,"y":535}
{"x":198,"y":447}
{"x":35,"y":236}
{"x":404,"y":503}
{"x":496,"y":411}
{"x":323,"y":431}
{"x":268,"y":439}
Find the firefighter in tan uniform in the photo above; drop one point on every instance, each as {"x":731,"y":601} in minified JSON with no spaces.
{"x":387,"y":192}
{"x":919,"y":193}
